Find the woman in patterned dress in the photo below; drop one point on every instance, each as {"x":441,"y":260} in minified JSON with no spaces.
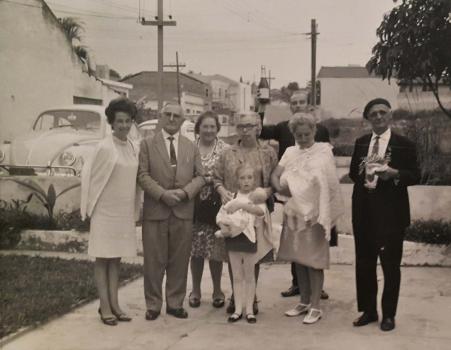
{"x":205,"y":245}
{"x":109,"y":198}
{"x":263,"y":160}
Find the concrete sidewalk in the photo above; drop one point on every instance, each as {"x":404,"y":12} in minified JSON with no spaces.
{"x":423,"y":322}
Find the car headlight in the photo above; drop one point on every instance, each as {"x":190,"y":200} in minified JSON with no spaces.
{"x":67,"y":158}
{"x":2,"y":156}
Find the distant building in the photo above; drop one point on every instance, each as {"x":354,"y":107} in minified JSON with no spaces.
{"x":346,"y":90}
{"x":417,"y":96}
{"x":228,"y":96}
{"x":195,"y":94}
{"x":39,"y":68}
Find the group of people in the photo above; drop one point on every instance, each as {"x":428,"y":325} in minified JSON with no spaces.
{"x":212,"y":201}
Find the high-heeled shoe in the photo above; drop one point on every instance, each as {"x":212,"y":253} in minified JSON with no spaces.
{"x":109,"y":321}
{"x":122,"y":317}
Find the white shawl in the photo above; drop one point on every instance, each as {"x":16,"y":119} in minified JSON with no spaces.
{"x":312,"y":179}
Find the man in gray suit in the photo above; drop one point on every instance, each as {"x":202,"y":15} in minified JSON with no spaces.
{"x":171,"y":174}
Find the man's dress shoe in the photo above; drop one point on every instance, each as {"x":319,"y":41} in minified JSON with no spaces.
{"x":179,"y":313}
{"x":387,"y":324}
{"x":152,"y":315}
{"x":290,"y":292}
{"x":365,"y":319}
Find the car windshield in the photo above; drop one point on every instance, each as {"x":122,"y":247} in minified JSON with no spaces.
{"x":78,"y":120}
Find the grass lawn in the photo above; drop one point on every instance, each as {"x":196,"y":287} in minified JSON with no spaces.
{"x":35,"y":289}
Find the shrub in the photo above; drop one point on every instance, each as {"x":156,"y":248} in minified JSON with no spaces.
{"x":14,"y":218}
{"x":429,"y":231}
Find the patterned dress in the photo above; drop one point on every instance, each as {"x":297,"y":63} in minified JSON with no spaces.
{"x":263,"y":159}
{"x":205,"y":244}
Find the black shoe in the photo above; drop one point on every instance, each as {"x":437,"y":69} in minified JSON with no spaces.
{"x":290,"y":292}
{"x":193,"y":301}
{"x":365,"y":319}
{"x":251,"y":318}
{"x":179,"y":313}
{"x":218,"y":302}
{"x":234,"y":318}
{"x":122,"y":317}
{"x":324,"y":295}
{"x":152,"y":315}
{"x":109,"y":321}
{"x":231,"y":307}
{"x":388,"y":324}
{"x":255,"y":307}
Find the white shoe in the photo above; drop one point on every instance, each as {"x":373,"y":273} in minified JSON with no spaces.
{"x":313,"y":316}
{"x":299,"y":309}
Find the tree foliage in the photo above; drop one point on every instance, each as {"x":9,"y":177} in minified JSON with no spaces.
{"x":415,"y":45}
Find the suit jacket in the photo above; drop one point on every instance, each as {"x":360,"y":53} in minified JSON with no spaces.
{"x":155,"y":176}
{"x":281,"y":133}
{"x":391,"y":197}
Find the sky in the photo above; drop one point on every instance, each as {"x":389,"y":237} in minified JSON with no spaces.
{"x":230,"y":37}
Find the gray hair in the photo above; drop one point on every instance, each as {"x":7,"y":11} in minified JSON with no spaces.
{"x":299,"y":119}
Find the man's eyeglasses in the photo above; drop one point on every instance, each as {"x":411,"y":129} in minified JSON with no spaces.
{"x":173,"y":115}
{"x":300,"y":103}
{"x":374,"y":114}
{"x":245,"y":126}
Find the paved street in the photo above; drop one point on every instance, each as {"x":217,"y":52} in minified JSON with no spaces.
{"x":423,"y":322}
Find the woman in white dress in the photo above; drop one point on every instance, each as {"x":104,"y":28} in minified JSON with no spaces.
{"x":109,"y":198}
{"x":307,"y":175}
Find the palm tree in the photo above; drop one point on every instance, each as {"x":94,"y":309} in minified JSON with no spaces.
{"x":73,"y":29}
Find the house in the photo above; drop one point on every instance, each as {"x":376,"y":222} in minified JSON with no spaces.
{"x":417,"y":96}
{"x":39,"y":67}
{"x":195,"y":94}
{"x":346,"y":90}
{"x":228,"y":96}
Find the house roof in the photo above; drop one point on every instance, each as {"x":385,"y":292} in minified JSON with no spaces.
{"x":208,"y":78}
{"x":190,"y":76}
{"x":344,"y":72}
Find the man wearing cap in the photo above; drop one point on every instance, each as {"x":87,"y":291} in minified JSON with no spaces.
{"x":171,"y":174}
{"x":380,"y":211}
{"x":281,"y":133}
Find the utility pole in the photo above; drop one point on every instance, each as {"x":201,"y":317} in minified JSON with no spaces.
{"x":269,"y":82}
{"x":177,"y":65}
{"x":313,"y":34}
{"x":160,"y":23}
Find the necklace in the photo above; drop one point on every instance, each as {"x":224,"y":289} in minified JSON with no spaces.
{"x":207,"y":156}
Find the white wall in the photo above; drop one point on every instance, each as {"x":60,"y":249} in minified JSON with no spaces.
{"x":346,"y":97}
{"x":242,"y":97}
{"x":423,"y":100}
{"x":38,"y":67}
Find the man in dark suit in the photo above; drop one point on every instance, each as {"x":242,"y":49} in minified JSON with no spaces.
{"x":380,"y":212}
{"x":281,"y":133}
{"x":171,"y":174}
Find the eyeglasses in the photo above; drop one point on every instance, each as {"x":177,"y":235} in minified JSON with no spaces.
{"x":245,"y":126}
{"x":300,"y":103}
{"x":374,"y":114}
{"x":171,"y":115}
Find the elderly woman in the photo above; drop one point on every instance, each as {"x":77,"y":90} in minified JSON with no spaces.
{"x":205,"y":245}
{"x":262,"y":158}
{"x":109,"y":199}
{"x":307,"y":175}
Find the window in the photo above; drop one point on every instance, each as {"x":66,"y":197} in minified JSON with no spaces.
{"x":86,"y":101}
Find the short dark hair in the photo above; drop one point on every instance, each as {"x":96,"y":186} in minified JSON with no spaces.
{"x":373,"y":102}
{"x":202,"y":117}
{"x":120,"y":104}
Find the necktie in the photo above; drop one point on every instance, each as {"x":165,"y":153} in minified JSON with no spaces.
{"x":172,"y":151}
{"x":375,"y":150}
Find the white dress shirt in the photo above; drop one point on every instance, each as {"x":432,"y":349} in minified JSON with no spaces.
{"x":168,"y":143}
{"x":383,"y":143}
